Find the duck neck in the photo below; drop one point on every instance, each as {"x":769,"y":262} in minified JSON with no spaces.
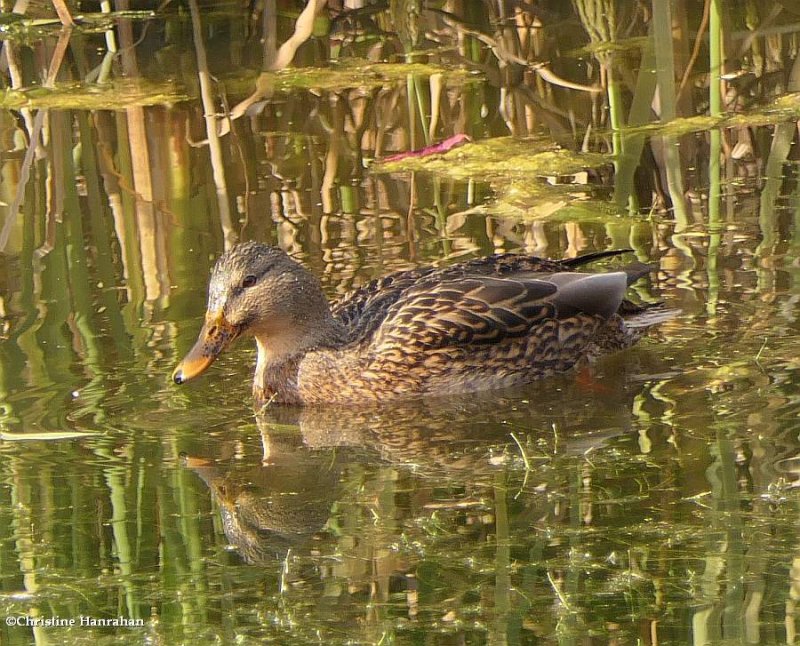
{"x":279,"y":357}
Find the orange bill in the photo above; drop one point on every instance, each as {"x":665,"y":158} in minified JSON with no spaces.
{"x":215,"y":336}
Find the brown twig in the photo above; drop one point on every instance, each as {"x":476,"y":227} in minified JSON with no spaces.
{"x":696,"y":50}
{"x":63,"y":13}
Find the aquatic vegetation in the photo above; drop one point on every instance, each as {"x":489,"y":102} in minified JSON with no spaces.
{"x":527,"y":175}
{"x":118,"y":95}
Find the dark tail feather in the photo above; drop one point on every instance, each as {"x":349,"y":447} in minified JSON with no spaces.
{"x":635,"y":270}
{"x":591,"y":257}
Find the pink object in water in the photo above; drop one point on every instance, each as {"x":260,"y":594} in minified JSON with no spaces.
{"x":435,"y":149}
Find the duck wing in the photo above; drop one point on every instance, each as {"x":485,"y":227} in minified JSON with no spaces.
{"x":362,"y":311}
{"x":488,"y":309}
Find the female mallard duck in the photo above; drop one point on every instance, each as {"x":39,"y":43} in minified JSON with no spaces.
{"x":487,"y":323}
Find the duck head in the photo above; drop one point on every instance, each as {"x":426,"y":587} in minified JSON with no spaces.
{"x":259,"y":291}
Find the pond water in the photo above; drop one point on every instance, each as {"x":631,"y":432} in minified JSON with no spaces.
{"x":651,"y":497}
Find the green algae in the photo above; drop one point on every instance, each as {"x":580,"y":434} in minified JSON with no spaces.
{"x":530,"y":177}
{"x":352,"y":74}
{"x":605,"y":47}
{"x":785,"y":108}
{"x":344,"y":75}
{"x":501,"y":158}
{"x":23,"y":29}
{"x":554,"y":202}
{"x":122,"y":93}
{"x":118,"y":95}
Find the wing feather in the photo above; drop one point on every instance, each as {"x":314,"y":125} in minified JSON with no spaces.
{"x":488,"y":309}
{"x":498,"y":294}
{"x":473,"y":310}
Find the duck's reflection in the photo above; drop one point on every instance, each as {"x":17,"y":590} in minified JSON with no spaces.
{"x":286,"y":497}
{"x":279,"y":503}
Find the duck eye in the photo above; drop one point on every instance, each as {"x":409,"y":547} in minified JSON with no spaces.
{"x":248,"y":281}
